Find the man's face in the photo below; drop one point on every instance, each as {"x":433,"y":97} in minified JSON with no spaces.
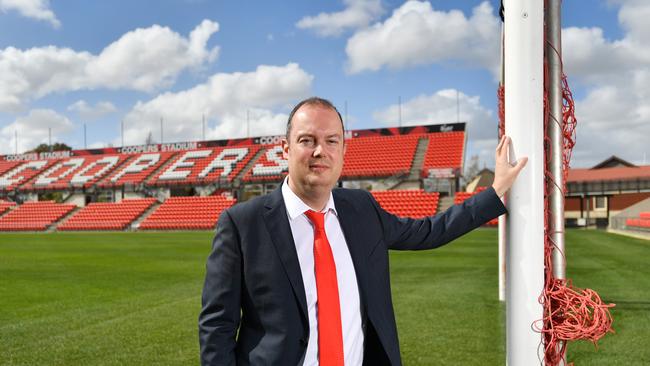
{"x":315,"y":148}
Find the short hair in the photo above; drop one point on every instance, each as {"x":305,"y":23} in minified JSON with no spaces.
{"x":313,"y":101}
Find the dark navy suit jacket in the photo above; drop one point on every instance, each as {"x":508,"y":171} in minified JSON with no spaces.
{"x":254,"y":304}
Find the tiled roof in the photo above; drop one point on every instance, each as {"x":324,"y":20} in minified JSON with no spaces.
{"x":605,"y":174}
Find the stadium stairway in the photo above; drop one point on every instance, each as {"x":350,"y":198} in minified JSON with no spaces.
{"x":444,"y":203}
{"x":187,"y":213}
{"x":418,"y":159}
{"x":136,"y":224}
{"x":412,"y":181}
{"x":62,"y":220}
{"x":6,"y":207}
{"x":101,"y":216}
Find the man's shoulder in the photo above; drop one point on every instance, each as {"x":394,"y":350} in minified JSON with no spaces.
{"x":253,"y":205}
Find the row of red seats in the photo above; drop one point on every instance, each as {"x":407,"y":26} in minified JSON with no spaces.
{"x":187,"y":213}
{"x":108,"y":216}
{"x":5,"y":206}
{"x":445,"y":150}
{"x":408,"y":203}
{"x":137,"y":169}
{"x":638,"y":223}
{"x":34,"y":216}
{"x":78,"y":171}
{"x":642,"y":222}
{"x":205,"y":165}
{"x":379,"y":156}
{"x":5,"y":165}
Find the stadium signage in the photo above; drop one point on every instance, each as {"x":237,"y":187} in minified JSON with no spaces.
{"x":269,"y":140}
{"x":179,"y":146}
{"x":446,"y":128}
{"x":176,"y":146}
{"x":37,"y":156}
{"x":441,"y":173}
{"x":22,"y":157}
{"x":55,"y":155}
{"x":137,"y":149}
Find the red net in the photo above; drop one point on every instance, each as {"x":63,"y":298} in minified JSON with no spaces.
{"x":570,"y":313}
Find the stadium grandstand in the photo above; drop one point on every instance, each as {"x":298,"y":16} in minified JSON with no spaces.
{"x":411,"y":171}
{"x":182,"y":186}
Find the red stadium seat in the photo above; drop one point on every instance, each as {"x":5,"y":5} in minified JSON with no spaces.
{"x":206,"y":165}
{"x":445,"y":150}
{"x":187,"y":213}
{"x":34,"y":216}
{"x":108,"y":216}
{"x":78,"y":171}
{"x":408,"y":203}
{"x":137,"y":169}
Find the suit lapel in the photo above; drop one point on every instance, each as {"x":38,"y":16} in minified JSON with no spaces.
{"x":277,"y":224}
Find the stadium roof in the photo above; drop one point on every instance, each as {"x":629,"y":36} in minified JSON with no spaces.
{"x":609,"y":174}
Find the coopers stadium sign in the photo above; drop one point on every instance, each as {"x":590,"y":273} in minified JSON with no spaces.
{"x":39,"y":156}
{"x":176,"y":146}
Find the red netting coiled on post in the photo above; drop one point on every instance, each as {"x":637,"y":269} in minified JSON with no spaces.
{"x":570,"y":313}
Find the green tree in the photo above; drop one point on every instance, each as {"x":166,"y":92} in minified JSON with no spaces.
{"x":57,"y":146}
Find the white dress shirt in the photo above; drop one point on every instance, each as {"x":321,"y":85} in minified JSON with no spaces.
{"x":303,"y":236}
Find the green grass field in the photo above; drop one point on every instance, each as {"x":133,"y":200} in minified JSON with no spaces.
{"x":133,"y":299}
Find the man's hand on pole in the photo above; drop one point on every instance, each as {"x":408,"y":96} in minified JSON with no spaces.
{"x":504,"y":172}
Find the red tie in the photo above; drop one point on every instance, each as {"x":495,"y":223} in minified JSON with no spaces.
{"x":330,"y":336}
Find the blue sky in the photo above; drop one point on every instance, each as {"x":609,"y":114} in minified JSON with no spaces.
{"x":64,"y":64}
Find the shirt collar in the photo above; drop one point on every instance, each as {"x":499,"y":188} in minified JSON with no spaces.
{"x":296,"y":207}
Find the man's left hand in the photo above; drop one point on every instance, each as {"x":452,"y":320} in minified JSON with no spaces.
{"x":504,"y":172}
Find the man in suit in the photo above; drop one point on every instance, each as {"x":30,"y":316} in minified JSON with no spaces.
{"x":301,"y":276}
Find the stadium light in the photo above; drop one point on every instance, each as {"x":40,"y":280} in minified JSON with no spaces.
{"x":345,"y":105}
{"x":399,"y":110}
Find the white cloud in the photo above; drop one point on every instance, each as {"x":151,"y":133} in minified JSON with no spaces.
{"x":614,"y":116}
{"x":357,"y":14}
{"x":89,"y":112}
{"x":441,"y":107}
{"x":416,"y":34}
{"x":33,"y":129}
{"x":35,"y":9}
{"x":223,"y":99}
{"x":145,"y":59}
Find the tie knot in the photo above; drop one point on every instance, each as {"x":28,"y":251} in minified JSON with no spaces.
{"x":316,"y":218}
